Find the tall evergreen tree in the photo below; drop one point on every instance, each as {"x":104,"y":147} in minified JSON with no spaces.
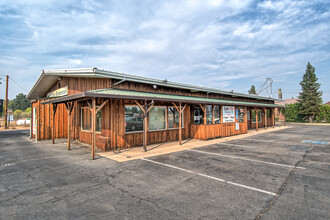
{"x":310,"y":96}
{"x":252,"y":90}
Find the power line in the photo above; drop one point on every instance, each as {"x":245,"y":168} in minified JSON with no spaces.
{"x":18,"y":84}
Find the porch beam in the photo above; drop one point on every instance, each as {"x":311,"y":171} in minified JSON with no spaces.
{"x":257,"y":122}
{"x":180,"y":125}
{"x":175,"y":106}
{"x":140,"y":106}
{"x":69,"y":107}
{"x":102,"y":105}
{"x":265,"y":112}
{"x":53,"y":129}
{"x":93,"y":127}
{"x":145,"y":116}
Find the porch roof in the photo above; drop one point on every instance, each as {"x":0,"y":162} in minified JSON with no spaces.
{"x":137,"y":95}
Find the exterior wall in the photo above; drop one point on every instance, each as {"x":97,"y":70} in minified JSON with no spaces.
{"x":113,"y":135}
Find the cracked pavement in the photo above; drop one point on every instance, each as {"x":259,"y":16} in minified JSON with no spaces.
{"x":45,"y":181}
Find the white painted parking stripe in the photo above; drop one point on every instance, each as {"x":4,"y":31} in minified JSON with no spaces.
{"x":237,"y":145}
{"x":247,"y":159}
{"x":211,"y":177}
{"x":261,"y":140}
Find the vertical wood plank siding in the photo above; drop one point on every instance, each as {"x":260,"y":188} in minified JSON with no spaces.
{"x":113,"y":135}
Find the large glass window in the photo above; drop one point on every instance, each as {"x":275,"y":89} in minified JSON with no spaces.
{"x":86,"y":120}
{"x":209,"y":114}
{"x":253,"y":115}
{"x":217,"y":114}
{"x":133,"y":119}
{"x":198,"y":115}
{"x":173,"y":118}
{"x":157,"y":118}
{"x":240,"y":112}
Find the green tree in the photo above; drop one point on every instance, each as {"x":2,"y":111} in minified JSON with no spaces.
{"x":252,"y":90}
{"x":310,"y":96}
{"x":292,"y":113}
{"x":20,"y":102}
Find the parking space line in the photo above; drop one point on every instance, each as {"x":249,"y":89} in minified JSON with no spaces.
{"x":236,"y":145}
{"x":262,"y":140}
{"x":247,"y":159}
{"x":211,"y":177}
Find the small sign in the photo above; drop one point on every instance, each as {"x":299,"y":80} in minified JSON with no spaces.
{"x":58,"y":92}
{"x":228,"y":114}
{"x":237,"y":126}
{"x":236,"y":113}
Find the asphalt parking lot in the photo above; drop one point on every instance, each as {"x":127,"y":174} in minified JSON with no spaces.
{"x":271,"y":176}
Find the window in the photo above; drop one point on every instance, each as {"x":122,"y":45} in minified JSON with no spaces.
{"x":217,"y":114}
{"x":209,"y":114}
{"x":253,"y":115}
{"x":198,"y":115}
{"x":86,"y":120}
{"x":157,"y":118}
{"x":240,"y":111}
{"x":99,"y":121}
{"x":173,"y":118}
{"x":268,"y":113}
{"x":133,"y":119}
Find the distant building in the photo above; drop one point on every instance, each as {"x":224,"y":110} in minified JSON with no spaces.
{"x":284,"y":102}
{"x":287,"y":101}
{"x":327,"y":103}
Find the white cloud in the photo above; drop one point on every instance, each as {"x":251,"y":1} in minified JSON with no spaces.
{"x":223,"y":44}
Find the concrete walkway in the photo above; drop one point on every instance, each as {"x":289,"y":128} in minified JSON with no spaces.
{"x":170,"y":147}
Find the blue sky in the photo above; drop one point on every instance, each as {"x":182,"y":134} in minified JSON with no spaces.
{"x":216,"y":43}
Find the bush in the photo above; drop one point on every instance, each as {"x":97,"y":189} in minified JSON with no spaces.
{"x":17,"y":114}
{"x":28,"y":109}
{"x":323,"y":114}
{"x":292,"y":113}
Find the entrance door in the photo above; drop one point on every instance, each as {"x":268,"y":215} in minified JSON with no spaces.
{"x":249,"y":119}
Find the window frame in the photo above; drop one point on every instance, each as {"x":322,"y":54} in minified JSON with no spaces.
{"x":182,"y":117}
{"x":132,"y":132}
{"x":166,"y":122}
{"x":81,"y":116}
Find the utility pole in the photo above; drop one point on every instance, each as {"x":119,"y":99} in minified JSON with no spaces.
{"x":6,"y":103}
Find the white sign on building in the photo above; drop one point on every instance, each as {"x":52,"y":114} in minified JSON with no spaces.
{"x":228,"y":114}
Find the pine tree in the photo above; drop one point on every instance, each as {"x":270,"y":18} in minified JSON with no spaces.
{"x":310,"y":96}
{"x":252,"y":90}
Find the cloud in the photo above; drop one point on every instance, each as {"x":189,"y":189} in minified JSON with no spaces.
{"x":222,"y":44}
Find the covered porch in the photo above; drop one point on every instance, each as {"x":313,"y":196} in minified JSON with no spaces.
{"x":117,"y":119}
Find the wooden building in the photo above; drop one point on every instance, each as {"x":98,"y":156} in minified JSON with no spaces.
{"x":111,"y":110}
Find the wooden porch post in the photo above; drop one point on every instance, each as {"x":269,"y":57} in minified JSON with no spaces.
{"x":145,"y":109}
{"x":180,"y":129}
{"x":257,"y":122}
{"x":53,"y":128}
{"x":180,"y":109}
{"x":93,"y":127}
{"x":221,"y":122}
{"x":245,"y":117}
{"x":69,"y":107}
{"x":279,"y":116}
{"x":265,"y":111}
{"x":273,"y":117}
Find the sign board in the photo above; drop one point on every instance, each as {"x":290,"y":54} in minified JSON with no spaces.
{"x":58,"y":92}
{"x":228,"y":114}
{"x":34,"y":116}
{"x":237,"y":126}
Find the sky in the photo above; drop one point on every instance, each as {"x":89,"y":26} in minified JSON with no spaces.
{"x":220,"y":44}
